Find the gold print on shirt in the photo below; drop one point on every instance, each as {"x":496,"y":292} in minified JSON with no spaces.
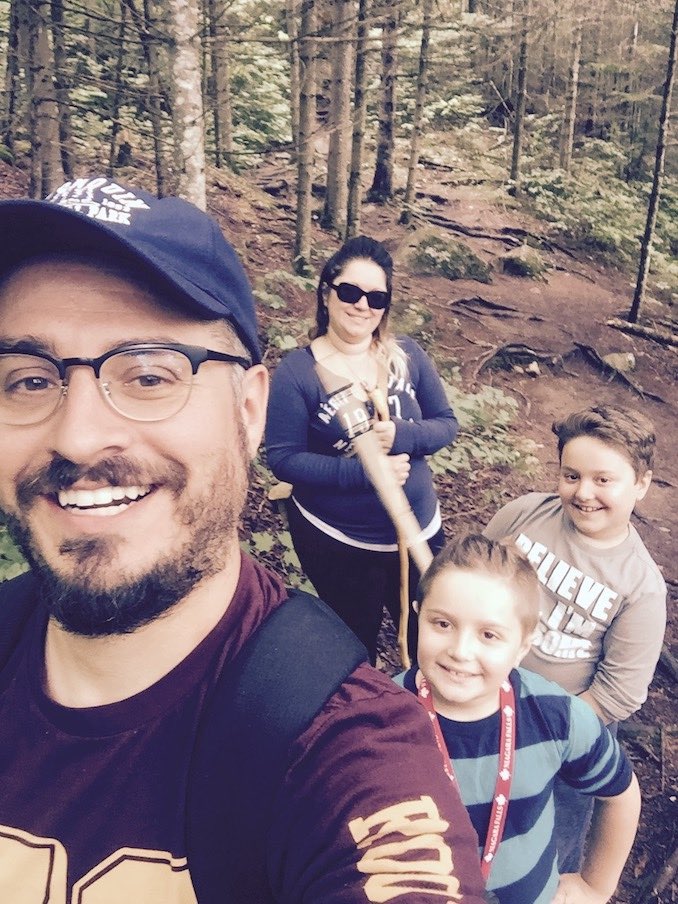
{"x":33,"y":871}
{"x":420,"y":861}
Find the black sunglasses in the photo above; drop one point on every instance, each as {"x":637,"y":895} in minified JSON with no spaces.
{"x":351,"y":294}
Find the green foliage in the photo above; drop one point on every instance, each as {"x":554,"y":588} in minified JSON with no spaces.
{"x":284,"y":336}
{"x":485,"y":438}
{"x":413,"y":319}
{"x":287,"y":563}
{"x":260,"y":98}
{"x":454,"y":110}
{"x":269,"y":299}
{"x":591,"y":207}
{"x":273,"y":288}
{"x":596,"y":208}
{"x":11,"y":561}
{"x":434,"y":255}
{"x":277,"y":279}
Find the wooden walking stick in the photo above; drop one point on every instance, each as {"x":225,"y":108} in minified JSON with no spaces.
{"x":391,"y":494}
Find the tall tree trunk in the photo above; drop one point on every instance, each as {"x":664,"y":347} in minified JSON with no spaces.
{"x":595,"y":77}
{"x":291,"y":24}
{"x":508,"y":77}
{"x":355,"y":185}
{"x":117,"y":92}
{"x":46,"y":168}
{"x":307,"y":113}
{"x":221,"y":79}
{"x":630,"y":109}
{"x":519,"y":123}
{"x":549,"y":52}
{"x":570,"y":117}
{"x":417,"y":119}
{"x":189,"y":134}
{"x":62,"y":89}
{"x":12,"y":82}
{"x":646,"y":245}
{"x":145,"y":25}
{"x":382,"y":184}
{"x":339,"y":121}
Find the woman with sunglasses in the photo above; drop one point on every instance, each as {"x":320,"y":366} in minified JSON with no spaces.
{"x":341,"y":533}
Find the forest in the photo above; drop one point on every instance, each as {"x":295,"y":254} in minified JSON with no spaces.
{"x":576,"y":95}
{"x":516,"y":157}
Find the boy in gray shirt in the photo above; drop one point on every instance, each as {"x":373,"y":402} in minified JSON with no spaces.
{"x":603,"y":598}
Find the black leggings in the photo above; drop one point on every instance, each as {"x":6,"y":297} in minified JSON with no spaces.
{"x":356,"y":583}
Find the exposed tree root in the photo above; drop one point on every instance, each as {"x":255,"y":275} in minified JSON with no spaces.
{"x":480,"y":305}
{"x":593,"y":357}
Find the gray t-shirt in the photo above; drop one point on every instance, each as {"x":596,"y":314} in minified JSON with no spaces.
{"x":603,"y":611}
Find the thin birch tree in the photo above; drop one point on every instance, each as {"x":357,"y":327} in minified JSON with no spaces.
{"x":521,"y":93}
{"x":382,"y":183}
{"x":117,"y":91}
{"x":220,"y":64}
{"x":62,"y":86}
{"x":12,"y":80}
{"x":355,"y":185}
{"x":307,"y":113}
{"x":653,"y":205}
{"x":417,"y":119}
{"x":292,"y":27}
{"x":339,"y":121}
{"x":189,"y":136}
{"x":570,"y":117}
{"x":46,"y":172}
{"x":146,"y":27}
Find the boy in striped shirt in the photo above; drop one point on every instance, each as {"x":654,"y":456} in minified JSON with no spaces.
{"x":505,"y":734}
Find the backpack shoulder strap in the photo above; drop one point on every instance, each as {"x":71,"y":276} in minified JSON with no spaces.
{"x":262,"y":702}
{"x":17,"y":603}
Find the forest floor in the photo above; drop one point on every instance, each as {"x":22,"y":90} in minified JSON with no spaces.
{"x":562,"y":318}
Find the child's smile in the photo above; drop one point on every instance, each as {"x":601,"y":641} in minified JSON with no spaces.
{"x":598,"y":488}
{"x":470,"y":637}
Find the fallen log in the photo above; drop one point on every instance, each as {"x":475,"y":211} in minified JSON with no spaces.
{"x":664,"y":337}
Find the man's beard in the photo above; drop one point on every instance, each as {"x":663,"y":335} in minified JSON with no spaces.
{"x":83,"y":604}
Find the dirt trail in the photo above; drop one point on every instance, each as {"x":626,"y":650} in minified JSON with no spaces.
{"x":569,"y":305}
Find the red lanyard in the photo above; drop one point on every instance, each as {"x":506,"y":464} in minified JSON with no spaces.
{"x":507,"y":755}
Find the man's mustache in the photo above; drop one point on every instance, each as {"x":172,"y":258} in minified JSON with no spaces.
{"x":61,"y":474}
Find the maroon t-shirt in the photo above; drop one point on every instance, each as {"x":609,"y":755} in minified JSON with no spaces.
{"x":92,"y":801}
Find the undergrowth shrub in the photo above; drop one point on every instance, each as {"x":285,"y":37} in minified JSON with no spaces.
{"x":434,"y":255}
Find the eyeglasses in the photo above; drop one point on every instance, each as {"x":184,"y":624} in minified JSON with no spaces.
{"x":147,"y":382}
{"x":351,"y":294}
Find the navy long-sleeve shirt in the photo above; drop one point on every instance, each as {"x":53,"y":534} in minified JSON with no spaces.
{"x":306,"y":446}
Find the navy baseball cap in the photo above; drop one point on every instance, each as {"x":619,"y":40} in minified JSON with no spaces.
{"x":178,"y":248}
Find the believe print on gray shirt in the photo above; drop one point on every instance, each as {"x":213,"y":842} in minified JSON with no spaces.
{"x":603,"y":611}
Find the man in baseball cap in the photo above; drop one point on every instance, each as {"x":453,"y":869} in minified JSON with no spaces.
{"x":175,"y":726}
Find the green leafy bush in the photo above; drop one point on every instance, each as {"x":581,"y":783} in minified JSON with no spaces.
{"x":485,"y":438}
{"x":523,"y":261}
{"x":11,"y":561}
